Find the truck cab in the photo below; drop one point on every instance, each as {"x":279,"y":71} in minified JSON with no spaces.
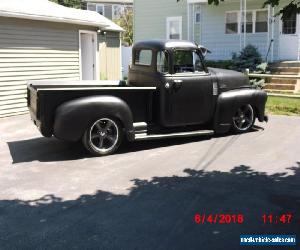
{"x":177,"y":69}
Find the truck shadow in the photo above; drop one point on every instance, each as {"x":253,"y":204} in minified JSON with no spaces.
{"x":157,"y":214}
{"x":50,"y":149}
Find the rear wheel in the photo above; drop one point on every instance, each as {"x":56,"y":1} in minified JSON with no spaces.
{"x":103,"y":137}
{"x":243,"y":119}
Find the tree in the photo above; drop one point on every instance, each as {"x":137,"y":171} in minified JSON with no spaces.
{"x":69,"y":3}
{"x":292,"y":8}
{"x":126,"y":22}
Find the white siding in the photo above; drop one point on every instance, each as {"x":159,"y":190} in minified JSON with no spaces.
{"x":31,"y":50}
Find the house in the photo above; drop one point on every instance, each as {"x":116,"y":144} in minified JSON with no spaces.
{"x":111,"y":9}
{"x":43,"y":40}
{"x":224,"y":29}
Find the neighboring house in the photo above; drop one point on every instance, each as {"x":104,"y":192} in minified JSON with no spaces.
{"x":42,"y":40}
{"x":224,"y":29}
{"x":111,"y":9}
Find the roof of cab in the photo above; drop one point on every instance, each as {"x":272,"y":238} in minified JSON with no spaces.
{"x":164,"y":44}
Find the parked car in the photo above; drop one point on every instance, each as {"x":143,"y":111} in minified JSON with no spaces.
{"x":170,"y":93}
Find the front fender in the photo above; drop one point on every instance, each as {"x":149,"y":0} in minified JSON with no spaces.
{"x":228,"y":103}
{"x":72,"y":118}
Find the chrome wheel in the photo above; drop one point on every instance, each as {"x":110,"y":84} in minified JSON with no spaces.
{"x":244,"y":118}
{"x":103,"y":135}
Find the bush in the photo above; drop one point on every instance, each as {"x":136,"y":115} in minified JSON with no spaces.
{"x":224,"y":64}
{"x":248,"y":58}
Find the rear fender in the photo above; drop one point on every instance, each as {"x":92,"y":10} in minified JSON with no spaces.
{"x":72,"y":118}
{"x":228,"y":102}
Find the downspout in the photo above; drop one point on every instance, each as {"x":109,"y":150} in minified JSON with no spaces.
{"x":188,"y":21}
{"x":268,"y":38}
{"x":272,"y":34}
{"x":245,"y":19}
{"x":193,"y":23}
{"x":240,"y":21}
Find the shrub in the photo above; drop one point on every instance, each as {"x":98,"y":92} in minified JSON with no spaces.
{"x":223,"y":64}
{"x":248,"y":58}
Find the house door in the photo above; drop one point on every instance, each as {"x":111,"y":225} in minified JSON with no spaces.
{"x":288,"y":38}
{"x":88,"y":55}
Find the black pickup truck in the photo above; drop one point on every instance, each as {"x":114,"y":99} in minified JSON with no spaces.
{"x":170,"y":93}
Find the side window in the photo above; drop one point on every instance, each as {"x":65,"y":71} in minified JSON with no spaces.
{"x":162,"y":62}
{"x":143,"y":57}
{"x":187,"y":61}
{"x":231,"y":23}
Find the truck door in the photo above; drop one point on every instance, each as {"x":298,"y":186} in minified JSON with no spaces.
{"x":189,"y":92}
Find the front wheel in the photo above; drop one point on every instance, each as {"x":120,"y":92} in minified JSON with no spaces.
{"x":243,"y":119}
{"x":103,"y":137}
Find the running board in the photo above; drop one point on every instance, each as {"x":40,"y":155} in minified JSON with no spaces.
{"x":144,"y":136}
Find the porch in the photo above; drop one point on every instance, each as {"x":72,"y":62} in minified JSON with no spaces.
{"x":229,"y":27}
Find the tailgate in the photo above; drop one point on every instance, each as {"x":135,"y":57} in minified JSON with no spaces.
{"x":32,"y":103}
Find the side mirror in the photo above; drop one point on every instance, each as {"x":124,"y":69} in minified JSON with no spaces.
{"x":203,"y":50}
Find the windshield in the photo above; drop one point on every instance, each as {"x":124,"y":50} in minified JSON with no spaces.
{"x":187,"y":61}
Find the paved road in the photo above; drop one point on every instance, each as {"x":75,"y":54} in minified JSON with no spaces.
{"x":54,"y":196}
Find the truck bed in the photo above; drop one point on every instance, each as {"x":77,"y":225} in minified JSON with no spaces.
{"x":45,"y":96}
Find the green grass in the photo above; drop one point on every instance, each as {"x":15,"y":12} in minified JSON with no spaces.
{"x":283,"y":106}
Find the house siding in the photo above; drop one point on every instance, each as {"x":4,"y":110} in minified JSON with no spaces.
{"x":31,"y":50}
{"x":150,"y":23}
{"x":223,"y":45}
{"x":150,"y":18}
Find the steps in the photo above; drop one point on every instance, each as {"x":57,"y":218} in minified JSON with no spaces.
{"x":277,"y":84}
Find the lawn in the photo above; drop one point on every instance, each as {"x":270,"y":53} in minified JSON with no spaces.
{"x":283,"y":106}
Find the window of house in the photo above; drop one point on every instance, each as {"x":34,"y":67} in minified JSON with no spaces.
{"x":162,"y":62}
{"x":91,"y":6}
{"x":143,"y":57}
{"x":100,"y":9}
{"x":261,"y":22}
{"x":187,"y":61}
{"x":289,"y":25}
{"x":197,"y":17}
{"x":231,"y":23}
{"x":117,"y":11}
{"x":249,"y":23}
{"x":174,"y":27}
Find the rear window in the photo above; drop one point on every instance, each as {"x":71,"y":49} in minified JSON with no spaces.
{"x":143,"y":57}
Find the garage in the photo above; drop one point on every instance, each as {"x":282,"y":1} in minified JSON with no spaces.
{"x":41,"y":40}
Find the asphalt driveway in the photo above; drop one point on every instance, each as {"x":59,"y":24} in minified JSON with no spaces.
{"x":53,"y":195}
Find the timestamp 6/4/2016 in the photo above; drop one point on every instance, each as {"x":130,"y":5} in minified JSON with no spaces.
{"x":219,"y":218}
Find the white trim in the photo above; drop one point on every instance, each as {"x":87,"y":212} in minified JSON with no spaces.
{"x":176,"y":18}
{"x":96,"y":53}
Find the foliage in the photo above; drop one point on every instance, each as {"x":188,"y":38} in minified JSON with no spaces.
{"x":126,"y":22}
{"x":69,"y":3}
{"x":248,"y":58}
{"x":259,"y":83}
{"x":291,"y":8}
{"x":223,"y":64}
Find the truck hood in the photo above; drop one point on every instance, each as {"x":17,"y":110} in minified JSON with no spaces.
{"x":230,"y":79}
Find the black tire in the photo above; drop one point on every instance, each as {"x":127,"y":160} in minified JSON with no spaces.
{"x":243,"y":119}
{"x":103,"y":136}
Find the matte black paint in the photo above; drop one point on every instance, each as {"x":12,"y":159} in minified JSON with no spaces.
{"x":80,"y":113}
{"x":65,"y":110}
